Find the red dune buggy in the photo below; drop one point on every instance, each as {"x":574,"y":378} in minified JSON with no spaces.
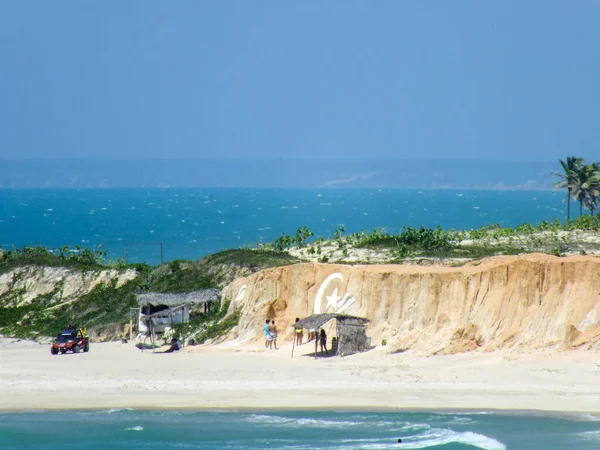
{"x":70,"y":340}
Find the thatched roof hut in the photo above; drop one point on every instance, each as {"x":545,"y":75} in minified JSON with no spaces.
{"x":351,"y":331}
{"x":165,"y":309}
{"x":185,"y":298}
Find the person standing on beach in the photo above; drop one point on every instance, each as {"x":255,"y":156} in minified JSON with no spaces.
{"x":273,"y":333}
{"x":323,"y":340}
{"x":298,"y":332}
{"x":267,"y":334}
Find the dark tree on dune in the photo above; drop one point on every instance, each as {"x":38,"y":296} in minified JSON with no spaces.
{"x":568,"y":178}
{"x":587,"y":187}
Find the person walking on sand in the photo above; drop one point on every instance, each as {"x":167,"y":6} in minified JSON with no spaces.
{"x":273,"y":333}
{"x":323,"y":340}
{"x":267,"y":334}
{"x":299,"y":333}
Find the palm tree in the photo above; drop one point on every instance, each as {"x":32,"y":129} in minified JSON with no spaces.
{"x":568,"y":178}
{"x":587,"y":187}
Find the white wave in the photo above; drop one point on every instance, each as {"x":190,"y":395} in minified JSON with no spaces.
{"x":414,"y":427}
{"x":438,"y":438}
{"x":264,"y":418}
{"x":136,"y":428}
{"x":117,"y":410}
{"x":590,"y":435}
{"x":461,"y":421}
{"x":302,"y":422}
{"x":475,"y":207}
{"x":444,"y":437}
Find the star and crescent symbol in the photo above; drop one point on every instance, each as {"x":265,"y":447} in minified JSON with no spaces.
{"x":335,"y":302}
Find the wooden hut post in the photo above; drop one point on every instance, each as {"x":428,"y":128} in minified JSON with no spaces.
{"x":294,"y":343}
{"x":183,"y":326}
{"x":338,"y":326}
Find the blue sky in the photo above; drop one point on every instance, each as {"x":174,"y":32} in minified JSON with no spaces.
{"x":327,"y":79}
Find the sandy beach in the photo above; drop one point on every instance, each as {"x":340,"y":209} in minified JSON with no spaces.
{"x":116,"y":375}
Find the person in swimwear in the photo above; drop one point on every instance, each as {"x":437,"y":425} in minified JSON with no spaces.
{"x":323,"y":340}
{"x":267,"y":334}
{"x":273,"y":333}
{"x":299,"y":333}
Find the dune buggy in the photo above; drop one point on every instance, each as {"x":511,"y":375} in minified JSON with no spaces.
{"x":70,"y":340}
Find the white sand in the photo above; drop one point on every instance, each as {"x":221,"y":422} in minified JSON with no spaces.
{"x":115,"y":375}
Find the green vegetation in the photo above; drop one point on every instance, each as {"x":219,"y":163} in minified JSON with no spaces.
{"x":212,"y":325}
{"x":253,"y":259}
{"x":180,"y":276}
{"x":77,"y":258}
{"x":582,"y":182}
{"x":107,"y":305}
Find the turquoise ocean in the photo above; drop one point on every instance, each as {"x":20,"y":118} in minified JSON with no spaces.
{"x":129,"y":429}
{"x":191,"y":223}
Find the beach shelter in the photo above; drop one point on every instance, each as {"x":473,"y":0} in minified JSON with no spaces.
{"x":351,"y":332}
{"x":158,"y":310}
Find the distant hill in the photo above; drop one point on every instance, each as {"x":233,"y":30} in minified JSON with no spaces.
{"x":308,"y":173}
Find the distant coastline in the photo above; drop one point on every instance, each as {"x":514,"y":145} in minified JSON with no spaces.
{"x":278,"y":173}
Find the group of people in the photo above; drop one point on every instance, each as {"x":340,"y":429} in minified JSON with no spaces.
{"x":311,"y":336}
{"x":270,"y":331}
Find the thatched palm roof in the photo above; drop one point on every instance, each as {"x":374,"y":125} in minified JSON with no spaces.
{"x":185,"y":298}
{"x":318,"y":320}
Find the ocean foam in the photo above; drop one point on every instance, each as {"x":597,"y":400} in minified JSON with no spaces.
{"x":444,"y":437}
{"x":434,"y":439}
{"x":302,"y":422}
{"x":117,"y":410}
{"x":136,"y":428}
{"x":590,"y":436}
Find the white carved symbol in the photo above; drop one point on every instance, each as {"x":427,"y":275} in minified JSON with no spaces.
{"x":335,"y":302}
{"x":241,"y":293}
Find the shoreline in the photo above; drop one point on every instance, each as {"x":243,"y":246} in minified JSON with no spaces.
{"x":578,"y":416}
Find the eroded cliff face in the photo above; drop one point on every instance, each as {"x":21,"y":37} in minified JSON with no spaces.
{"x":27,"y":283}
{"x":518,"y":302}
